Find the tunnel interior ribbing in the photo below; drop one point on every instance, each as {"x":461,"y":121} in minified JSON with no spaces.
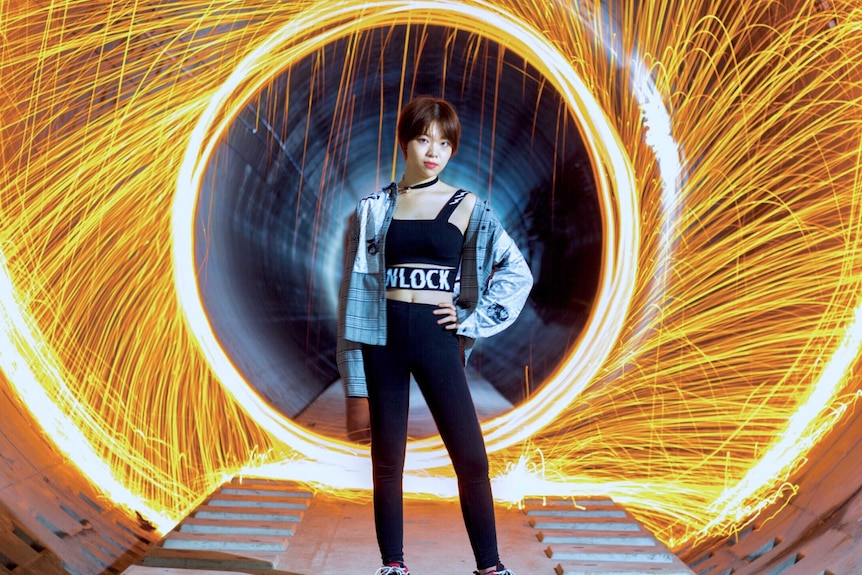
{"x":274,"y":203}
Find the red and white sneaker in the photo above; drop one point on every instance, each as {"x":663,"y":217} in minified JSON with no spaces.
{"x":394,"y":568}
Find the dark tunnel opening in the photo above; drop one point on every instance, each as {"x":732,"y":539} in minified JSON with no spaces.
{"x":274,"y":203}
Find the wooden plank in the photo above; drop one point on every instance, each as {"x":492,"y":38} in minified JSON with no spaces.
{"x":226,"y":542}
{"x":264,"y":483}
{"x":574,"y":502}
{"x":37,"y":504}
{"x":13,"y":546}
{"x":582,"y":516}
{"x":46,"y":563}
{"x":609,"y":514}
{"x":566,"y":537}
{"x":630,"y":554}
{"x":226,"y":514}
{"x":823,"y":553}
{"x":19,"y":431}
{"x":254,"y":501}
{"x":596,"y":536}
{"x":596,"y":568}
{"x":833,"y":489}
{"x":195,"y":524}
{"x":186,"y":559}
{"x":548,"y":524}
{"x":256,"y":491}
{"x":142,"y":570}
{"x":295,"y":488}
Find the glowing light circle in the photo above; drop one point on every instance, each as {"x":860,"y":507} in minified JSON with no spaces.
{"x":315,"y":28}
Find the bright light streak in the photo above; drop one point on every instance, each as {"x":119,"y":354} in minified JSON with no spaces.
{"x":720,"y":346}
{"x":803,"y":429}
{"x":617,"y":190}
{"x":29,"y":364}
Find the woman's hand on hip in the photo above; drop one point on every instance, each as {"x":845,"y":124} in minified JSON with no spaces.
{"x":449,"y":315}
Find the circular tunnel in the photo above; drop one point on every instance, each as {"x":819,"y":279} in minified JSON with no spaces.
{"x":269,"y":241}
{"x":273,"y":208}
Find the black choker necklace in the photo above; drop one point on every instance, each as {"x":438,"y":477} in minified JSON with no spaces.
{"x":427,"y":184}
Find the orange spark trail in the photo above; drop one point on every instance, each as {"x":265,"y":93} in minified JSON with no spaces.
{"x":720,"y":349}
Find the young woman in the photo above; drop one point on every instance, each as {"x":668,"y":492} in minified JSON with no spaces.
{"x":428,"y":269}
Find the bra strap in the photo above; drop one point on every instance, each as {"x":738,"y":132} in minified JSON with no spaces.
{"x":451,"y":204}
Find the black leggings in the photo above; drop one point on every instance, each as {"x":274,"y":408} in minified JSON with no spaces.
{"x":417,"y":344}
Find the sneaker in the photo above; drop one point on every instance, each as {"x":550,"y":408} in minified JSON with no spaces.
{"x":500,"y":570}
{"x":394,"y":568}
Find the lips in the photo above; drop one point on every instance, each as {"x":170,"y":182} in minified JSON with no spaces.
{"x":430,"y":165}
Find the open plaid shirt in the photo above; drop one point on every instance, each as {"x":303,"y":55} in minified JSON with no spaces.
{"x":490,"y":259}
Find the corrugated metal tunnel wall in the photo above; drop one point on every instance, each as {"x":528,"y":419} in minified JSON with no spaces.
{"x":268,"y":286}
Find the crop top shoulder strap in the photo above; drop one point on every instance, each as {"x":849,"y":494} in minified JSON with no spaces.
{"x":451,"y":204}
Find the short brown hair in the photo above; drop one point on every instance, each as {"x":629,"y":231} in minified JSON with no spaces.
{"x":420,"y":113}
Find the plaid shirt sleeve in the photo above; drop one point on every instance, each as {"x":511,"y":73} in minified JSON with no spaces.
{"x":348,"y":353}
{"x":502,"y":279}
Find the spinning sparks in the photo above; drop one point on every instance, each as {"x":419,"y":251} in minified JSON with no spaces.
{"x":616,"y":183}
{"x":720,"y":348}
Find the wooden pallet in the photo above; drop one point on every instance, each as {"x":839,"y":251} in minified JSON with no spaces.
{"x":244,"y":527}
{"x":594,"y":536}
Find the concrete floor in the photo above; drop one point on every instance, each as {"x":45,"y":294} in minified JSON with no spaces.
{"x":339,"y":538}
{"x":322,"y":534}
{"x":280,"y":528}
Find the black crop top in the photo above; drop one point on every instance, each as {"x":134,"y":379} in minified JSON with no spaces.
{"x":436,"y":242}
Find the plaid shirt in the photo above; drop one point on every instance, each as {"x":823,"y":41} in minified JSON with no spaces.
{"x":490,"y":259}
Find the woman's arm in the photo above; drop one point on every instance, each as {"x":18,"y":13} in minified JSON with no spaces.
{"x":348,"y":354}
{"x":508,"y":284}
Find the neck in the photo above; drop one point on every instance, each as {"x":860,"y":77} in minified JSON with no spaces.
{"x":404,"y":186}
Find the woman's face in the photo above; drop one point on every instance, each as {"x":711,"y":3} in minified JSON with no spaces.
{"x":426,"y":155}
